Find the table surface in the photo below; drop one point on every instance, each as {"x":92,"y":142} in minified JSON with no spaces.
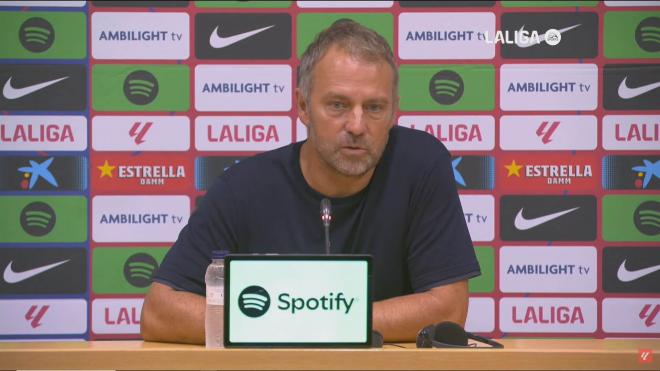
{"x":518,"y":354}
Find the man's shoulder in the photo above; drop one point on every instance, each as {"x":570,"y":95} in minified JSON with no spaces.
{"x":416,"y":145}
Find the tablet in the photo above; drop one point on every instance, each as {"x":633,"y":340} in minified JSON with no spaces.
{"x":297,"y":300}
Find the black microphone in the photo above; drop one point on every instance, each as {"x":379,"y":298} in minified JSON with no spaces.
{"x":326,"y":217}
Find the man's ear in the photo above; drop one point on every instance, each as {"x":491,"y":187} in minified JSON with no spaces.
{"x":303,"y":109}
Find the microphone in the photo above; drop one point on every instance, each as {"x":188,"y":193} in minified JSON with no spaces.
{"x":326,"y":217}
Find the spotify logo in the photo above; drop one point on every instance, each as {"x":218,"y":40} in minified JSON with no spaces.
{"x":647,"y":218}
{"x":647,"y":34}
{"x":140,"y":87}
{"x":38,"y":219}
{"x":254,"y":301}
{"x":446,"y":87}
{"x":36,"y":35}
{"x":139,"y":269}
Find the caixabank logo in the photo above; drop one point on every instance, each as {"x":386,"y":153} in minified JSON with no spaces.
{"x":140,"y":88}
{"x":631,"y":172}
{"x":631,"y":86}
{"x":43,"y":219}
{"x":43,"y":35}
{"x":631,"y":269}
{"x":631,"y":218}
{"x":579,"y":35}
{"x":547,"y":218}
{"x":474,"y":172}
{"x":447,"y":87}
{"x":243,"y":36}
{"x":122,"y":270}
{"x":632,"y":34}
{"x":53,"y":173}
{"x":53,"y":270}
{"x":140,"y":173}
{"x":56,"y":87}
{"x":547,"y":172}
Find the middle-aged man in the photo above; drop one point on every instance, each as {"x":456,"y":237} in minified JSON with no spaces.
{"x":392,"y":191}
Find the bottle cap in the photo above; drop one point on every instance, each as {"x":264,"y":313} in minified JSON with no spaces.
{"x":219,"y":254}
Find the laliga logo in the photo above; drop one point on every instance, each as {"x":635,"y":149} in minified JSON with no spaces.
{"x":523,"y":38}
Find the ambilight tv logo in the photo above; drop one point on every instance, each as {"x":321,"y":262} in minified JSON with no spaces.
{"x":140,"y":87}
{"x":254,"y":301}
{"x":36,"y":35}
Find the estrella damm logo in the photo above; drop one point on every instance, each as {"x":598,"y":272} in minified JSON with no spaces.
{"x":634,"y":218}
{"x":447,"y":87}
{"x":631,"y":35}
{"x":121,"y":270}
{"x":43,"y":35}
{"x":43,"y":219}
{"x":254,"y":301}
{"x":310,"y":24}
{"x":141,"y":87}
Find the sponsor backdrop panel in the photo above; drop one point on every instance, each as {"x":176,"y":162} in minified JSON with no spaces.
{"x":550,"y":109}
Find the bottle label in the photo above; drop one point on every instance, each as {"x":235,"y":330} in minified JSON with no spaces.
{"x":215,"y":295}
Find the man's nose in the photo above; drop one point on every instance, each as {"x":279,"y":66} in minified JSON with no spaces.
{"x":356,"y":124}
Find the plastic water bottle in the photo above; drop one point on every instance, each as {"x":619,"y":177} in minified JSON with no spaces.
{"x":215,"y":300}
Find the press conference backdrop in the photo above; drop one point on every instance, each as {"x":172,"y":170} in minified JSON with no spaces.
{"x":116,"y":117}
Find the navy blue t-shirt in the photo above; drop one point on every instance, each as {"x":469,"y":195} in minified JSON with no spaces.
{"x":409,"y":218}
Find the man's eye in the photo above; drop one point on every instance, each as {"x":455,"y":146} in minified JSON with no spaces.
{"x":337,"y":105}
{"x":374,"y":108}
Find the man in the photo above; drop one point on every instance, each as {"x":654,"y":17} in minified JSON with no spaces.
{"x":392,"y":191}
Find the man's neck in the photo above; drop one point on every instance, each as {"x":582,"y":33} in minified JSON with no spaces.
{"x":326,"y":180}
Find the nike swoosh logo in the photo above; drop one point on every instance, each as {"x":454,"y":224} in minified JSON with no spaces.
{"x":532,"y":42}
{"x":15,"y":277}
{"x":626,"y":93}
{"x":218,"y":42}
{"x":624,"y":275}
{"x":523,"y":224}
{"x":11,"y":92}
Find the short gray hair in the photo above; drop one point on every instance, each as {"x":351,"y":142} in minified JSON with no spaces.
{"x":358,"y":41}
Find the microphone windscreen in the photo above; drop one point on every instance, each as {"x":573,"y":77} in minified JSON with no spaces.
{"x":326,"y":207}
{"x":450,"y":333}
